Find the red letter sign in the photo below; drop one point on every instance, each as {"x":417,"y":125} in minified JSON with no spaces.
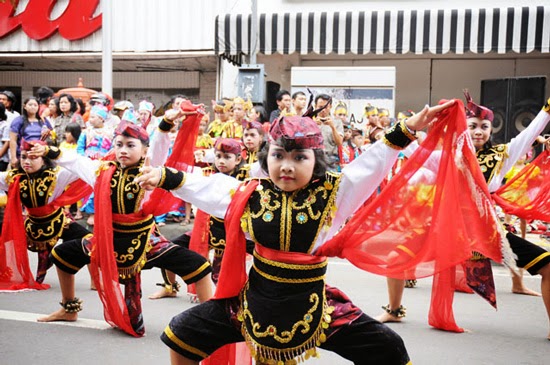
{"x":76,"y":22}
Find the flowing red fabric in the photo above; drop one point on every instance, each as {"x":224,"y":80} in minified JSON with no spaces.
{"x":103,"y":266}
{"x":527,"y":194}
{"x":199,"y":240}
{"x":181,"y":157}
{"x":425,"y":222}
{"x":233,"y":270}
{"x":15,"y":272}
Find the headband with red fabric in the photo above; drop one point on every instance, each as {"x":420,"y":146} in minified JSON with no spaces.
{"x":474,"y":110}
{"x":228,"y":145}
{"x":253,"y":125}
{"x":27,"y":145}
{"x":302,"y":131}
{"x":132,"y":130}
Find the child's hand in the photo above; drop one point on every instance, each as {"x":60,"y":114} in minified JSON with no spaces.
{"x":426,"y":116}
{"x":149,"y":177}
{"x":38,"y":150}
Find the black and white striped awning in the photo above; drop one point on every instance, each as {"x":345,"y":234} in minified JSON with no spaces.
{"x":497,"y":30}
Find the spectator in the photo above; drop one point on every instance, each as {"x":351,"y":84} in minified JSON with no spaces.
{"x":29,"y":126}
{"x":5,"y":135}
{"x":8,"y":99}
{"x":299,"y":102}
{"x":44,"y":94}
{"x":332,"y":129}
{"x":283,"y":103}
{"x":67,"y":114}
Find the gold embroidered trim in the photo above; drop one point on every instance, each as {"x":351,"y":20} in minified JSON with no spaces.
{"x":196,"y":272}
{"x":330,"y":208}
{"x":168,"y":332}
{"x":391,"y":145}
{"x":162,"y":176}
{"x":58,"y":258}
{"x":406,"y":131}
{"x":287,"y":356}
{"x":286,"y":280}
{"x":183,"y":179}
{"x":290,"y":266}
{"x":406,"y":250}
{"x":535,"y":261}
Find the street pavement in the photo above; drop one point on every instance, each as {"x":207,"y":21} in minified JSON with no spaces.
{"x":515,"y":334}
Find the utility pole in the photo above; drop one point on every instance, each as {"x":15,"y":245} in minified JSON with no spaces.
{"x":107,"y":46}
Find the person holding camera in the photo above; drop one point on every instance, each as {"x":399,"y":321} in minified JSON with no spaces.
{"x":332,"y":129}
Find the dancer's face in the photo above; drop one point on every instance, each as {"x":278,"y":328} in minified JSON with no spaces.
{"x":252,"y":139}
{"x":226,"y":162}
{"x":31,"y":164}
{"x":290,"y":170}
{"x":480,"y":131}
{"x":129,"y":151}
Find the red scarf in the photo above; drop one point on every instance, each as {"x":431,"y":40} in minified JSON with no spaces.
{"x":416,"y":227}
{"x":527,"y":194}
{"x":15,"y":273}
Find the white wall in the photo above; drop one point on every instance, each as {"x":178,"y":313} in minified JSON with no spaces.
{"x":277,"y":6}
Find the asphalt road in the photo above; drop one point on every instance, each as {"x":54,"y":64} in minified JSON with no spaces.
{"x":515,"y":334}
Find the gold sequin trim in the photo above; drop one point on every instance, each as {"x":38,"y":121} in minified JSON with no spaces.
{"x":284,"y":265}
{"x":287,"y":280}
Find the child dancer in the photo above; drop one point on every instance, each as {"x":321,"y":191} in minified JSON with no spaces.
{"x":126,"y":239}
{"x":495,"y":161}
{"x":284,"y":310}
{"x":41,"y":188}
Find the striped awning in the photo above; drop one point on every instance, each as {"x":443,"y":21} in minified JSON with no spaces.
{"x":496,"y":30}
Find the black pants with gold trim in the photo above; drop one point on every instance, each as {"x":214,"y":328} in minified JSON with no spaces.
{"x":71,"y":256}
{"x":530,"y":256}
{"x":199,"y":331}
{"x":71,"y":232}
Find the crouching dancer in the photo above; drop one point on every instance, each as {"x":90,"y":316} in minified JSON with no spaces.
{"x":126,"y":239}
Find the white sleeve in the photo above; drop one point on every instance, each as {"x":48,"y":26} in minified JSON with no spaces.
{"x":3,"y":183}
{"x":256,"y":171}
{"x":519,"y":146}
{"x":64,"y":178}
{"x":360,"y":178}
{"x":211,"y":194}
{"x":432,"y":163}
{"x":81,"y":166}
{"x":209,"y":156}
{"x":160,"y":145}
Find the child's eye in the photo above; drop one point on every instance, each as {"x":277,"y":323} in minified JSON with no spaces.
{"x":277,"y":155}
{"x":300,"y":158}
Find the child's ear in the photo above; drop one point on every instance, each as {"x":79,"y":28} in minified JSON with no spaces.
{"x":238,"y":159}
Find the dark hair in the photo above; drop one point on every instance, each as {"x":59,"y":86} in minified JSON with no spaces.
{"x":48,"y":163}
{"x":262,"y":112}
{"x":74,"y":129}
{"x":71,"y":100}
{"x":324,"y":97}
{"x":44,"y":93}
{"x":280,"y":94}
{"x":174,"y":97}
{"x":25,"y":118}
{"x":80,"y":104}
{"x":321,"y":162}
{"x":3,"y":115}
{"x":297,"y":93}
{"x":11,"y":96}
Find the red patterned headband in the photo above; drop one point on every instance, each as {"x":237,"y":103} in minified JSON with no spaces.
{"x":26,"y":146}
{"x":228,"y":145}
{"x":253,"y":125}
{"x":477,"y":111}
{"x":132,"y":130}
{"x":303,"y":131}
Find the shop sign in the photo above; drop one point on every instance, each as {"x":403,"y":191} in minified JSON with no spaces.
{"x":76,"y":22}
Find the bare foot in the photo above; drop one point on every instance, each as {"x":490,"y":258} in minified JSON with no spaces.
{"x":525,"y":291}
{"x":92,"y":286}
{"x":59,"y":315}
{"x":386,"y":317}
{"x":163,"y":293}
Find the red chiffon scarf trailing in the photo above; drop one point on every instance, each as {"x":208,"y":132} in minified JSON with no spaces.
{"x":15,"y":272}
{"x":527,"y":194}
{"x":428,"y":219}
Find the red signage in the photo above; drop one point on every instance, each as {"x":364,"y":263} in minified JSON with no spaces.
{"x":76,"y":22}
